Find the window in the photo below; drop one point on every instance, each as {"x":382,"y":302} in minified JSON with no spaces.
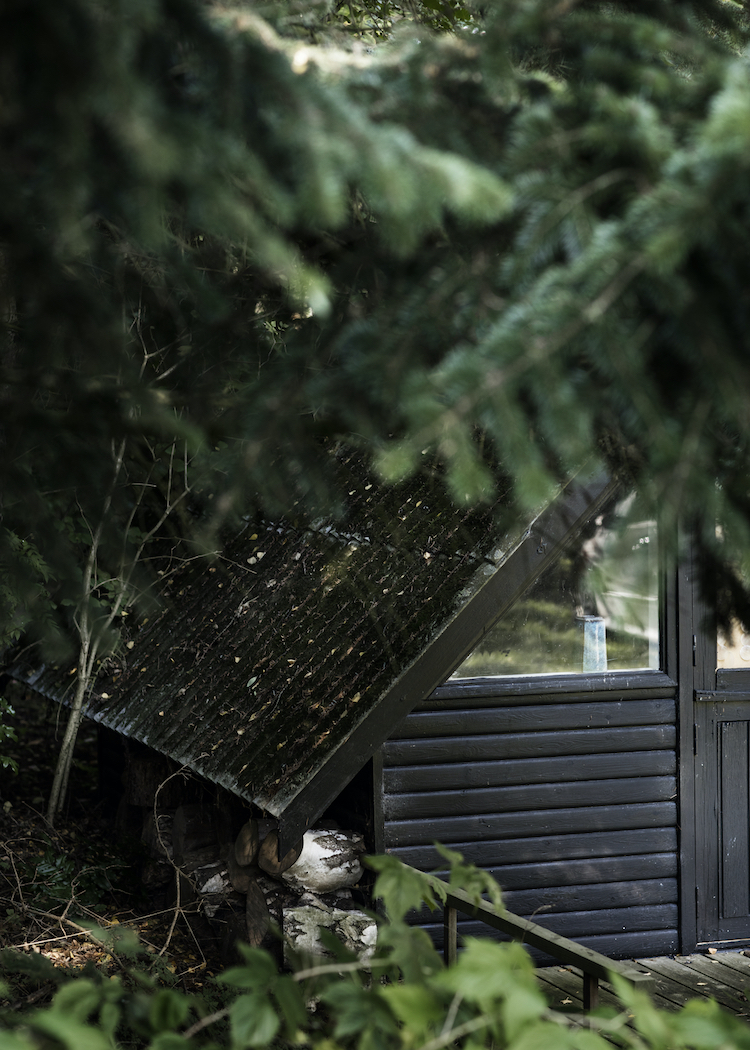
{"x":595,"y":609}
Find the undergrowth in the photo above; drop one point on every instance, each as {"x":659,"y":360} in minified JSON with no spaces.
{"x":403,"y":998}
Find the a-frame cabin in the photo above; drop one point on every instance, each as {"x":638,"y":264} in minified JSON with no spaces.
{"x":612,"y":803}
{"x":550,"y":708}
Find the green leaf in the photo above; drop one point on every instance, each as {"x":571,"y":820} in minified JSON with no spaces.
{"x":543,"y":1036}
{"x":77,"y":999}
{"x":169,"y":1041}
{"x":169,"y":1009}
{"x":469,"y":878}
{"x":411,"y":950}
{"x":401,"y":888}
{"x":15,"y":1041}
{"x":584,"y":1039}
{"x":73,"y":1034}
{"x":257,"y":971}
{"x":357,"y":1009}
{"x":414,"y":1005}
{"x":488,"y":972}
{"x":253,"y":1021}
{"x":523,"y":1005}
{"x":333,"y":945}
{"x":288,"y":995}
{"x":109,"y":1018}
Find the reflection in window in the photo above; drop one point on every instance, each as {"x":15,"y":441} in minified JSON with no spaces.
{"x":595,"y":609}
{"x":733,"y":649}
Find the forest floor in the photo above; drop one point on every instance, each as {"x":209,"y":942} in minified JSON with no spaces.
{"x":72,"y":893}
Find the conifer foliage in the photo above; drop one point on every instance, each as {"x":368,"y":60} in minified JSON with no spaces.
{"x":230,"y":234}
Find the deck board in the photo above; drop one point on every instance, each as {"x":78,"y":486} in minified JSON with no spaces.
{"x":724,"y":976}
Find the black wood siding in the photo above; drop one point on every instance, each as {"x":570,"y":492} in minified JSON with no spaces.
{"x":568,"y":798}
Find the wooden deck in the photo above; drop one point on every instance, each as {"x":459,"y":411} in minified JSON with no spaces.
{"x":724,"y":976}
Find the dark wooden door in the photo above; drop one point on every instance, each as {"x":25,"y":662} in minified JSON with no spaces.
{"x":722,"y":780}
{"x":715,"y":780}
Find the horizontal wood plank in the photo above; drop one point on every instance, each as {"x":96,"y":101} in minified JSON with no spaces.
{"x":528,"y":745}
{"x":638,"y":893}
{"x":630,"y":945}
{"x":469,"y":722}
{"x":590,"y":871}
{"x":536,"y":903}
{"x":562,"y":987}
{"x":583,"y":924}
{"x":452,"y":775}
{"x":563,"y":990}
{"x":737,"y":961}
{"x":711,"y":967}
{"x":491,"y":826}
{"x":621,"y":684}
{"x":667,"y":992}
{"x":442,"y":804}
{"x":491,"y":853}
{"x":680,"y":972}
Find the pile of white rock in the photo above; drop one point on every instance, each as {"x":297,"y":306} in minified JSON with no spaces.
{"x":328,"y":865}
{"x":245,"y":889}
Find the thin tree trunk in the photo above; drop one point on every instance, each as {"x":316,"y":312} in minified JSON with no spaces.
{"x":91,"y":634}
{"x":86,"y":659}
{"x":65,"y":756}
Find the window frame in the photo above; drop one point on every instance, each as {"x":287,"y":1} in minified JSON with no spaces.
{"x":557,"y":683}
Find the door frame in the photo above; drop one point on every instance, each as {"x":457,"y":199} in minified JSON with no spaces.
{"x":698,"y":754}
{"x":685,"y":641}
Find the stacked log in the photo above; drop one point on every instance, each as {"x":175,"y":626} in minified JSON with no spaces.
{"x":247,"y":892}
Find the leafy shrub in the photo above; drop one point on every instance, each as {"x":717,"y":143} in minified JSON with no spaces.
{"x":404,"y":998}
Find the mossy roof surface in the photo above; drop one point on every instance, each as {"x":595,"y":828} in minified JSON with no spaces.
{"x":261,"y":664}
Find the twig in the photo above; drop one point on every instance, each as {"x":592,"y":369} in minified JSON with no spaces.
{"x":177,"y":913}
{"x":34,"y":997}
{"x":81,"y":929}
{"x":178,"y":872}
{"x":48,"y":940}
{"x":446,"y":1038}
{"x":15,"y":872}
{"x":315,"y":971}
{"x":204,"y":1023}
{"x":450,"y":1017}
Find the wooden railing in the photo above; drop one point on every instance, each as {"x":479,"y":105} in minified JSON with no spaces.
{"x":595,"y":967}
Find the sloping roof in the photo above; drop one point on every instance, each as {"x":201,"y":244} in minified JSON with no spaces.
{"x":279,"y":670}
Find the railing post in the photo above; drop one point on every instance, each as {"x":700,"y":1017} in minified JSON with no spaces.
{"x":590,"y":992}
{"x":450,"y":934}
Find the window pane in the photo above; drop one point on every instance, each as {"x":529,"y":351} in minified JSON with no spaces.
{"x":596,"y":609}
{"x":733,"y":650}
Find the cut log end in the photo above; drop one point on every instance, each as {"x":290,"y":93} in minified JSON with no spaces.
{"x":268,"y":855}
{"x":246,"y":845}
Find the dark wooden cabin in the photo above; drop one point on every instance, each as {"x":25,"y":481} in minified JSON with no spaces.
{"x":455,"y":678}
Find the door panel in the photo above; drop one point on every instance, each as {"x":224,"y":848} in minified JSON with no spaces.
{"x":722,"y":733}
{"x":733,"y":757}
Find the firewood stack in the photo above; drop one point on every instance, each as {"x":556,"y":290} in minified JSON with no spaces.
{"x":247,"y":892}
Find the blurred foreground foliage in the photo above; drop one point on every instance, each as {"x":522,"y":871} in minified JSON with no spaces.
{"x":232,"y":235}
{"x":402,"y":998}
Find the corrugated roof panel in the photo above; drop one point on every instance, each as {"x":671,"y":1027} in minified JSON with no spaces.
{"x":260,"y":665}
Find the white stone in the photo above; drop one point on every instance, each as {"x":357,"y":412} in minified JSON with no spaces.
{"x":302,"y":925}
{"x":330,"y":860}
{"x":216,"y":884}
